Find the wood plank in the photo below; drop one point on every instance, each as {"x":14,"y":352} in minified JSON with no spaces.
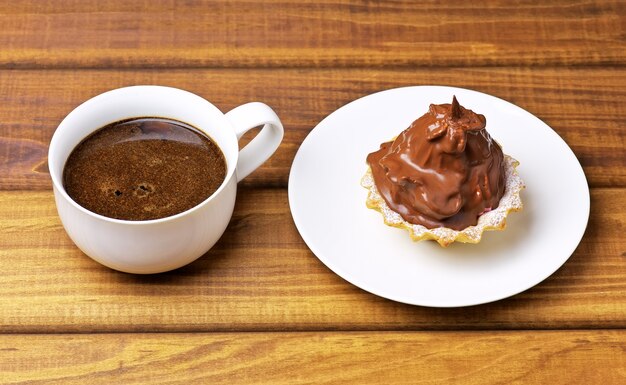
{"x":261,"y":276}
{"x":549,"y":357}
{"x":116,"y":33}
{"x":583,"y":105}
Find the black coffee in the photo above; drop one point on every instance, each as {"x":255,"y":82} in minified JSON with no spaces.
{"x":143,"y":168}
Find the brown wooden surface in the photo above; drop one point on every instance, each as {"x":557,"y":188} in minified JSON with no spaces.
{"x":317,"y":358}
{"x":329,"y":33}
{"x":582,"y":105}
{"x":260,"y":308}
{"x":261,"y":276}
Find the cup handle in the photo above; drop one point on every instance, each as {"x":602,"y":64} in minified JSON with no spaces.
{"x":264,"y":144}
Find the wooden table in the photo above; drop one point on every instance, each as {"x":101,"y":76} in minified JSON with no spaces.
{"x":260,"y":308}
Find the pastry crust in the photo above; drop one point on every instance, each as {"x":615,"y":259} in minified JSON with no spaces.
{"x":491,"y":220}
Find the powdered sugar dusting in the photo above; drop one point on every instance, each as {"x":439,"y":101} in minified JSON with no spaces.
{"x":492,"y":220}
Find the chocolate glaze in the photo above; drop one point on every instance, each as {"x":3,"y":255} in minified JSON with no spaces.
{"x":442,"y":171}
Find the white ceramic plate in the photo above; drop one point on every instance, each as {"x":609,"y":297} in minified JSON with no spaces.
{"x":328,"y":205}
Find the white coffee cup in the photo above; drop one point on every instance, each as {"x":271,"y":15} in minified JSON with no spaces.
{"x":158,"y":245}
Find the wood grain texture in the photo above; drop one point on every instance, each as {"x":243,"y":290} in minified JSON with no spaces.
{"x":584,"y":106}
{"x":260,"y":308}
{"x":165,"y":33}
{"x":261,"y":276}
{"x":598,"y":357}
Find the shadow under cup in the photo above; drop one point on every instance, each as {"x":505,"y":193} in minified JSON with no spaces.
{"x":149,"y":246}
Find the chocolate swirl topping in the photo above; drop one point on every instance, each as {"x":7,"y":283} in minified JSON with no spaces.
{"x":442,"y":171}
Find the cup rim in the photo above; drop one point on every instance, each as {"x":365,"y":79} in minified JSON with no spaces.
{"x":58,"y":185}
